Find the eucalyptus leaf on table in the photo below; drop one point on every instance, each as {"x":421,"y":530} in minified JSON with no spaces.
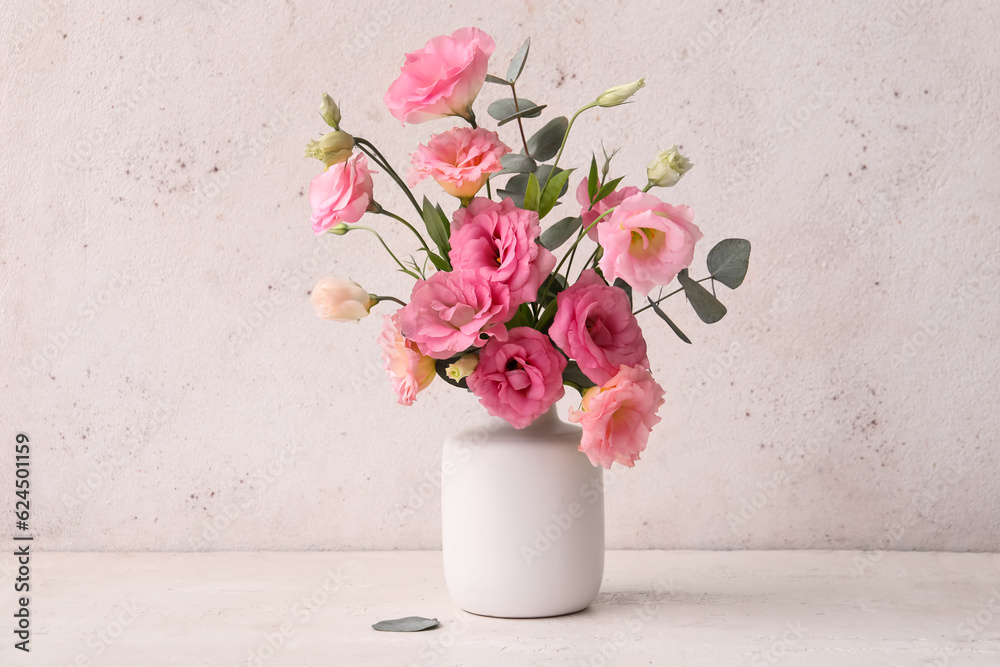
{"x":406,"y":624}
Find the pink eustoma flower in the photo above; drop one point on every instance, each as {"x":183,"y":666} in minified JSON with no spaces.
{"x":617,"y":417}
{"x":647,"y":242}
{"x":441,"y":79}
{"x":460,"y":160}
{"x":595,"y":326}
{"x":450,"y":312}
{"x":520,"y":378}
{"x":589,"y":214}
{"x":409,"y":371}
{"x":341,"y":194}
{"x":497,"y":241}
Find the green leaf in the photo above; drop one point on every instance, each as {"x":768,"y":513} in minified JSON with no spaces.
{"x":593,"y":182}
{"x":553,"y":190}
{"x":556,"y":285}
{"x":573,"y":375}
{"x":408,"y":624}
{"x":670,"y":323}
{"x":545,"y":143}
{"x":708,"y":308}
{"x":437,"y":226}
{"x":517,"y":63}
{"x":530,"y":112}
{"x":495,"y":79}
{"x":545,"y":319}
{"x":505,"y":108}
{"x":606,"y":189}
{"x":728,"y":261}
{"x":522,"y":317}
{"x":625,"y":287}
{"x":559,"y":233}
{"x":439,"y":262}
{"x":517,"y":163}
{"x":532,"y":193}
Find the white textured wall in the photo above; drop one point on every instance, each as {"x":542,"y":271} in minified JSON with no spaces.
{"x":158,"y":346}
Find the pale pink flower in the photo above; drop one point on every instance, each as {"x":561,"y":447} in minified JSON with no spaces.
{"x":340,"y":300}
{"x":450,"y":312}
{"x":617,"y":417}
{"x":408,"y":369}
{"x":441,"y":79}
{"x":646,"y":242}
{"x":460,"y":160}
{"x":341,"y":194}
{"x":497,"y":241}
{"x":589,"y":214}
{"x":595,"y":326}
{"x":520,"y":378}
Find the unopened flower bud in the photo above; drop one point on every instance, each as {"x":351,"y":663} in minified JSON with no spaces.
{"x":341,"y":300}
{"x":332,"y":148}
{"x":667,"y":168}
{"x":330,"y":112}
{"x":463,"y":368}
{"x":612,"y":97}
{"x":339,"y":229}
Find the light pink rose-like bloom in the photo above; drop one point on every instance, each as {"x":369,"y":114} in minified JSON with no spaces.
{"x":408,"y":369}
{"x":340,"y":300}
{"x":647,"y":242}
{"x":590,"y":214}
{"x":496,"y":240}
{"x":441,"y":79}
{"x":617,"y":417}
{"x":460,"y":160}
{"x":520,"y":378}
{"x":341,"y":194}
{"x":595,"y":326}
{"x":450,"y":311}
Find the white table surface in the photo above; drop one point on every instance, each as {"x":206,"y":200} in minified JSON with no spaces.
{"x":843,"y":609}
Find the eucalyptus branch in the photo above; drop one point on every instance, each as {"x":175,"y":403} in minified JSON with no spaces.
{"x":664,"y":298}
{"x":520,"y":126}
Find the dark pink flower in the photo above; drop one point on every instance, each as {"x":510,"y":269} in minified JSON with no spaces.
{"x":497,"y":241}
{"x":595,"y":326}
{"x":450,"y":311}
{"x":520,"y":378}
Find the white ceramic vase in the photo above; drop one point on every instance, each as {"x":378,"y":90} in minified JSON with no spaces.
{"x":522,"y":520}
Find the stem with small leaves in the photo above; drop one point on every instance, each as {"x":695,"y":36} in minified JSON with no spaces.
{"x":565,"y":137}
{"x":388,"y":250}
{"x":413,"y":229}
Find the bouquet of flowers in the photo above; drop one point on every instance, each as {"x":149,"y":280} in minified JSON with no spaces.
{"x":493,"y":310}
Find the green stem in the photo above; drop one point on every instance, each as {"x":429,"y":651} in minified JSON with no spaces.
{"x":548,"y":282}
{"x":388,"y":250}
{"x":409,"y":226}
{"x":589,"y":261}
{"x":379,"y":298}
{"x":563,"y":144}
{"x":648,"y":186}
{"x":374,"y":153}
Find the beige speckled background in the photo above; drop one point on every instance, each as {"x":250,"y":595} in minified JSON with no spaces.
{"x":155,"y":256}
